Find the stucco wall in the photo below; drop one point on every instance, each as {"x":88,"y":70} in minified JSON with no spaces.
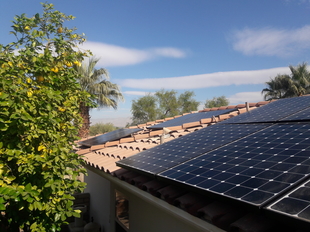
{"x":146,"y":212}
{"x":100,"y":199}
{"x":148,"y":215}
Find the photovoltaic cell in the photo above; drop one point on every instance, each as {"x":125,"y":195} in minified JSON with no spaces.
{"x":303,"y":115}
{"x":273,"y":111}
{"x":111,"y":136}
{"x":190,"y":118}
{"x":187,"y":147}
{"x":254,"y":169}
{"x":296,"y":203}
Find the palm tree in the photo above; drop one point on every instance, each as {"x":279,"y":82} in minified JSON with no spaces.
{"x":301,"y":80}
{"x":104,"y":93}
{"x":293,"y":85}
{"x":279,"y":87}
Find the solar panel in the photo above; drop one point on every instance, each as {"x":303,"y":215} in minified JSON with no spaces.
{"x":273,"y":111}
{"x":187,"y":147}
{"x":296,"y":203}
{"x":190,"y":118}
{"x":303,"y":115}
{"x":254,"y":169}
{"x":110,"y":136}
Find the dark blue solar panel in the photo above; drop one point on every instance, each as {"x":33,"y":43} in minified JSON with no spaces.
{"x":253,"y":169}
{"x":190,"y":118}
{"x":303,"y":115}
{"x":296,"y":203}
{"x":113,"y":135}
{"x":180,"y":150}
{"x":273,"y":111}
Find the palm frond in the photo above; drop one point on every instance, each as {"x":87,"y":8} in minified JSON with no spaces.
{"x":96,"y":82}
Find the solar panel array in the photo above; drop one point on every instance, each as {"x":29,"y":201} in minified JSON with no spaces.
{"x":253,"y":169}
{"x":261,"y":158}
{"x":180,"y":150}
{"x":296,"y":203}
{"x":110,"y":136}
{"x":303,"y":115}
{"x":273,"y":111}
{"x":190,"y":118}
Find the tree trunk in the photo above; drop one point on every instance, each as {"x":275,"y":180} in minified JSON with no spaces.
{"x":84,"y":112}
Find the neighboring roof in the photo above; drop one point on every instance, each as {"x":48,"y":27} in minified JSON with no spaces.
{"x":224,"y":215}
{"x":148,"y":138}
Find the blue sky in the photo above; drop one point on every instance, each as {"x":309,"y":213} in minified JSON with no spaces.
{"x":213,"y":48}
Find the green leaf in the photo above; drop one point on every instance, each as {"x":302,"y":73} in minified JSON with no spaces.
{"x":2,"y":206}
{"x":29,"y":199}
{"x":38,"y":205}
{"x":33,"y":226}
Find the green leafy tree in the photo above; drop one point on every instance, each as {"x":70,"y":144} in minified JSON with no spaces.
{"x":217,"y":102}
{"x":187,"y":103}
{"x":144,"y":109}
{"x":293,"y":85}
{"x":167,"y":103}
{"x":164,"y":103}
{"x":101,"y":128}
{"x":103,"y":92}
{"x":39,"y":121}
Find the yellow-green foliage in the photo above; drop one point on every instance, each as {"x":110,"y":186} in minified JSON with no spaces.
{"x":39,"y":121}
{"x":101,"y":128}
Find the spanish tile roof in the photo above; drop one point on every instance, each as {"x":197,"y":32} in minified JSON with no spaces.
{"x":224,"y":215}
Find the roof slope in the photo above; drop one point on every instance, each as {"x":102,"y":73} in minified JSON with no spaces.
{"x":228,"y":216}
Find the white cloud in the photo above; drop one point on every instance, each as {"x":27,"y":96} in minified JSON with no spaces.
{"x":137,"y":93}
{"x":271,"y":41}
{"x":243,"y":97}
{"x":169,"y":52}
{"x":205,"y":80}
{"x":113,"y":55}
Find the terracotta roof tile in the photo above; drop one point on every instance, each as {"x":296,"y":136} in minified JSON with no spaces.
{"x":157,"y":132}
{"x":206,"y":120}
{"x":177,"y":116}
{"x":220,"y":214}
{"x":231,"y":107}
{"x":103,"y":157}
{"x":241,"y":111}
{"x":252,"y":104}
{"x":261,"y":103}
{"x":223,"y":117}
{"x":129,"y":176}
{"x":189,"y":200}
{"x":97,"y":147}
{"x":141,"y":136}
{"x":191,"y":124}
{"x":139,"y":181}
{"x":170,"y":193}
{"x":205,"y":110}
{"x":111,"y":143}
{"x":240,"y":106}
{"x":83,"y":151}
{"x":174,"y":128}
{"x":126,"y":140}
{"x":142,"y":125}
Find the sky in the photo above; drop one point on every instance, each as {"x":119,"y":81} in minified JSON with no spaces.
{"x":213,"y":48}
